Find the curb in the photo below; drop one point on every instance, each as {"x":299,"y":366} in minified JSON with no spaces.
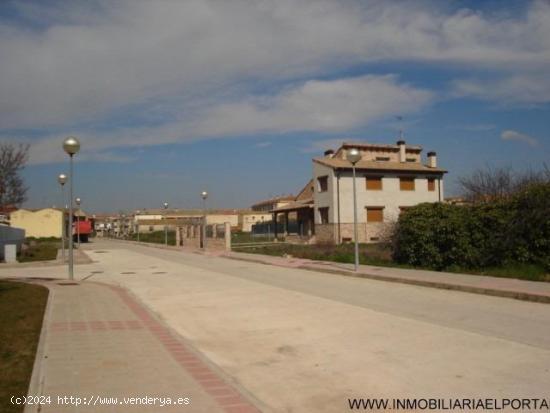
{"x":36,"y":382}
{"x":517,"y":295}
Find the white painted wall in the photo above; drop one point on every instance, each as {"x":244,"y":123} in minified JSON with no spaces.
{"x":324,"y":199}
{"x":247,"y":220}
{"x":390,"y":197}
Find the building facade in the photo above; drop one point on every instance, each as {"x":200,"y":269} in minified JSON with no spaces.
{"x":42,"y":223}
{"x":249,"y":218}
{"x":268,"y":205}
{"x":150,"y":220}
{"x":389,"y":179}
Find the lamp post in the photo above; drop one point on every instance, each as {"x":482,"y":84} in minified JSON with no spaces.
{"x":122,"y":229}
{"x":137,"y":223}
{"x":77,"y":202}
{"x":62,"y":179}
{"x":71,"y":146}
{"x":354,"y":156}
{"x":204,"y":195}
{"x":165,"y":226}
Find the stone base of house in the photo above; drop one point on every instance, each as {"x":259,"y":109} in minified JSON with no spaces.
{"x":344,"y":232}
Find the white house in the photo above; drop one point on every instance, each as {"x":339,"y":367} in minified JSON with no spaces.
{"x":390,"y":178}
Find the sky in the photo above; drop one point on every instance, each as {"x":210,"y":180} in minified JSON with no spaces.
{"x":170,"y":98}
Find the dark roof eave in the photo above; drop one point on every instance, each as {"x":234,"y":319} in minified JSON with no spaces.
{"x":282,"y":209}
{"x":407,"y":171}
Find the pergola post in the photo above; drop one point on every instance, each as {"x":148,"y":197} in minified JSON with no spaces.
{"x":227,"y":235}
{"x":178,"y":236}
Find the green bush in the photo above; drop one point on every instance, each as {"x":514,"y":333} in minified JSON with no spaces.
{"x":529,"y":229}
{"x":442,"y":236}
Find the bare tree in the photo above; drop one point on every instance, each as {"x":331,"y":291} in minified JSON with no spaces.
{"x":496,"y":183}
{"x":12,"y":161}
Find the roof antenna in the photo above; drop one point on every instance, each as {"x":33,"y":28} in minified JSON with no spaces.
{"x":400,"y":120}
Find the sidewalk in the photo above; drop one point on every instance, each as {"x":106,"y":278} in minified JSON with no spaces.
{"x":495,"y":286}
{"x":98,"y":342}
{"x":477,"y":284}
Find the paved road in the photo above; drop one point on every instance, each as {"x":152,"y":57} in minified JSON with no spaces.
{"x":305,"y":341}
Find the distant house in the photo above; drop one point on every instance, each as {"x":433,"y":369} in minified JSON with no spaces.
{"x":457,"y":200}
{"x":249,"y":218}
{"x":5,"y":212}
{"x":298,"y":216}
{"x":272,"y":203}
{"x":149,"y":220}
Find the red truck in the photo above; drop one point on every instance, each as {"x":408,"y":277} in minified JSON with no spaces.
{"x":82,"y":228}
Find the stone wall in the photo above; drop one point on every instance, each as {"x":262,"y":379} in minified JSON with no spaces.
{"x":374,"y":232}
{"x":191,"y":236}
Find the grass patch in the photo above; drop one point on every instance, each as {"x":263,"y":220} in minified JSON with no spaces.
{"x":521,"y":271}
{"x":39,"y":249}
{"x":381,"y":255}
{"x":156,"y":237}
{"x":21,"y":313}
{"x":371,"y":254}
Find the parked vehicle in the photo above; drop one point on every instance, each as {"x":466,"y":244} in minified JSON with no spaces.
{"x":83,"y":229}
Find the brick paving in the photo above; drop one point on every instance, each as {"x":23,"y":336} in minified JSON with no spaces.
{"x":99,"y":342}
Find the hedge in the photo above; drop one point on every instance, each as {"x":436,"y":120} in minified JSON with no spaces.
{"x":488,"y":234}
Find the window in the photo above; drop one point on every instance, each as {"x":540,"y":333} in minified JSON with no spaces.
{"x":403,"y":209}
{"x":411,"y":159}
{"x":375,"y":214}
{"x":323,"y":215}
{"x":406,"y":183}
{"x":374,"y":183}
{"x":431,"y":184}
{"x":151,"y":228}
{"x":382,"y":158}
{"x":323,"y":183}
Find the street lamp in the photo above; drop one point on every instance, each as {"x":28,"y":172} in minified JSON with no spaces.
{"x":71,"y":146}
{"x":122,"y":226}
{"x":165,"y":226}
{"x":77,"y":202}
{"x":137,"y":223}
{"x":62,"y":179}
{"x":354,"y":156}
{"x":204,"y":195}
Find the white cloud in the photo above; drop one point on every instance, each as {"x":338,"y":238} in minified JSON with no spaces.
{"x":192,"y":69}
{"x":524,"y":89}
{"x":316,"y":106}
{"x":320,"y":146}
{"x":512,"y":135}
{"x":90,"y":60}
{"x":320,"y":106}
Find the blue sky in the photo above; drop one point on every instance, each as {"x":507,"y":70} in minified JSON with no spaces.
{"x":236,"y":97}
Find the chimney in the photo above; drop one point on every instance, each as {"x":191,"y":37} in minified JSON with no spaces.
{"x":402,"y":156}
{"x":432,"y":159}
{"x":329,"y":153}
